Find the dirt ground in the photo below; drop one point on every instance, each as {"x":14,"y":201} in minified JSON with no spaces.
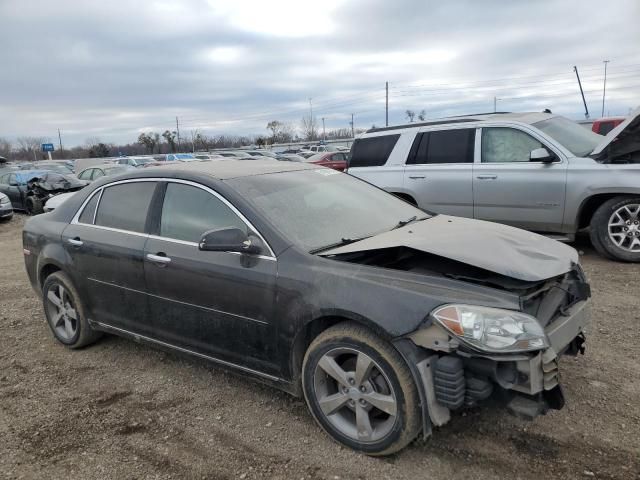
{"x":122,"y":410}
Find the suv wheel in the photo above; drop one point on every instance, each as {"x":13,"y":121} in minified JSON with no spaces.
{"x":65,"y":312}
{"x":360,"y":390}
{"x":615,"y":229}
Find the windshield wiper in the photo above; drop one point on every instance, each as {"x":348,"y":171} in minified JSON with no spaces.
{"x":341,"y":243}
{"x":402,"y":223}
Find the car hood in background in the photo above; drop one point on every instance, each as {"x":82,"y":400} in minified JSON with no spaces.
{"x":622,"y":140}
{"x":494,"y":247}
{"x":55,"y":202}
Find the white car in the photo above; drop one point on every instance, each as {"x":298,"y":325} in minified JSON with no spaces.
{"x":54,"y":202}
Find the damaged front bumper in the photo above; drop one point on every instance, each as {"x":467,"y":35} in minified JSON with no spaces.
{"x":454,"y":377}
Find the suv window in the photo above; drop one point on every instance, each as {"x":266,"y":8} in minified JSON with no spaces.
{"x":188,"y":212}
{"x":372,"y":151}
{"x":500,"y":145}
{"x":443,"y":146}
{"x":125,"y":206}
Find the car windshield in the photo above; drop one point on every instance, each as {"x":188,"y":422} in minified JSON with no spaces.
{"x":575,"y":138}
{"x":320,"y":208}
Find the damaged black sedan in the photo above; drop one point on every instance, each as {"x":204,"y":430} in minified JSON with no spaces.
{"x":385,"y":318}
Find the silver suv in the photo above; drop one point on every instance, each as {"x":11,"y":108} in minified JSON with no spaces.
{"x":537,"y":171}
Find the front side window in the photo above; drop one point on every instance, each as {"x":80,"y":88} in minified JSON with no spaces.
{"x":188,"y":212}
{"x":97,"y":173}
{"x":372,"y":151}
{"x":125,"y":206}
{"x":86,"y":175}
{"x":443,"y":146}
{"x":502,"y":145}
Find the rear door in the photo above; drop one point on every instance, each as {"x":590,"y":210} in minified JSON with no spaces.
{"x":510,"y":189}
{"x":218,"y":304}
{"x":106,"y":248}
{"x":15,"y":188}
{"x":439,"y":170}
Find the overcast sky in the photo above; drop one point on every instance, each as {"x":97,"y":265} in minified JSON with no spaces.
{"x":113,"y":68}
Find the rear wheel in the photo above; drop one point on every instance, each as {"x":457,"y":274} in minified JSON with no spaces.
{"x":360,"y":390}
{"x":65,"y":312}
{"x":615,"y":229}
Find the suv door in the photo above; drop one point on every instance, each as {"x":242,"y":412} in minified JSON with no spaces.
{"x":106,"y":248}
{"x":218,"y":304}
{"x":439,"y":168}
{"x":510,"y":189}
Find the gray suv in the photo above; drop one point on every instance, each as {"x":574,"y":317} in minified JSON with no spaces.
{"x":537,"y":171}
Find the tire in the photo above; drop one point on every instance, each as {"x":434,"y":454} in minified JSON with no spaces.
{"x":388,"y":383}
{"x":609,"y":221}
{"x":69,"y":325}
{"x":34,"y":206}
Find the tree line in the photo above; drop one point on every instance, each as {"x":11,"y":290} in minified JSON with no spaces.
{"x":151,"y":143}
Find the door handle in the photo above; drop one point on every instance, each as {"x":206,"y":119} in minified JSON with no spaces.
{"x":487,"y":177}
{"x":160,"y":259}
{"x":416,"y":177}
{"x":76,"y":242}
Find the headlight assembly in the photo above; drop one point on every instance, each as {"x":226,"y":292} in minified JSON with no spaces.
{"x":492,"y":329}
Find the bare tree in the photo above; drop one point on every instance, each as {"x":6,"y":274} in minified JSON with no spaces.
{"x":148,"y":140}
{"x":5,"y":148}
{"x":422,"y":115}
{"x":28,"y":146}
{"x":170,"y":138}
{"x":410,"y":114}
{"x":309,"y":128}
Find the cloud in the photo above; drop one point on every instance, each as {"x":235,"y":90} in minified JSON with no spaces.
{"x":110,"y":69}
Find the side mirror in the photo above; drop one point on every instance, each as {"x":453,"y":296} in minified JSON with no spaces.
{"x":229,"y":239}
{"x":541,"y":155}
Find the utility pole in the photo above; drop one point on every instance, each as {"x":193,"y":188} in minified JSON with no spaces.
{"x":324,"y":135}
{"x":60,"y":142}
{"x":352,"y":129}
{"x":604,"y":86}
{"x":495,"y":102}
{"x":386,"y":104}
{"x":177,"y":132}
{"x":311,"y":129}
{"x":586,"y":110}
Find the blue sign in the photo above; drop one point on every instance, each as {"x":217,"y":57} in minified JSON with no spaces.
{"x":47,"y":147}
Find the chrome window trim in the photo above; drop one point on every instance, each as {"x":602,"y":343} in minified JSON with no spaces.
{"x":74,"y":221}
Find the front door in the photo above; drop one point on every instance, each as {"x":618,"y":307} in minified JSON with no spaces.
{"x":510,"y":189}
{"x":107,"y":255}
{"x":218,"y":304}
{"x":438,"y":172}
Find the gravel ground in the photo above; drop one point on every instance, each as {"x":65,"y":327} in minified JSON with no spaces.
{"x":123,"y":410}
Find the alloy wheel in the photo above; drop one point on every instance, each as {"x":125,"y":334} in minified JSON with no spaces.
{"x":624,"y":227}
{"x":355,"y":395}
{"x":62,"y":314}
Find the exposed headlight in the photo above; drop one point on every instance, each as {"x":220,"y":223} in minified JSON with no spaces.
{"x":4,"y":200}
{"x":492,"y":329}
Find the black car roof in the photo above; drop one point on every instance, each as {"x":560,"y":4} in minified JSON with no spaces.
{"x":221,"y":169}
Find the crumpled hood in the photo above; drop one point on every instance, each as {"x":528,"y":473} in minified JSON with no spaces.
{"x":494,"y":247}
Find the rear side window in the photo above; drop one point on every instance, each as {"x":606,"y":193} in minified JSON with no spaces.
{"x":89,"y":210}
{"x":372,"y":151}
{"x":444,"y":146}
{"x":188,"y":212}
{"x":125,"y":206}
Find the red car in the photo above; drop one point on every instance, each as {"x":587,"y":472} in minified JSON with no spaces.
{"x":605,"y":125}
{"x":335,"y":160}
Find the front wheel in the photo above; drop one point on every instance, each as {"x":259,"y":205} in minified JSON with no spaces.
{"x":360,"y":390}
{"x":615,"y":229}
{"x":34,"y":206}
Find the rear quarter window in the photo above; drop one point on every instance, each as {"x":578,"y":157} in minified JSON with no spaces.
{"x":372,"y":151}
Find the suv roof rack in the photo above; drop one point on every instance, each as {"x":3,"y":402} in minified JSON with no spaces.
{"x":456,"y":119}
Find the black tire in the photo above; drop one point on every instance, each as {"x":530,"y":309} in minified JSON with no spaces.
{"x":404,"y":426}
{"x":81,"y":334}
{"x":34,"y":206}
{"x":599,"y":230}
